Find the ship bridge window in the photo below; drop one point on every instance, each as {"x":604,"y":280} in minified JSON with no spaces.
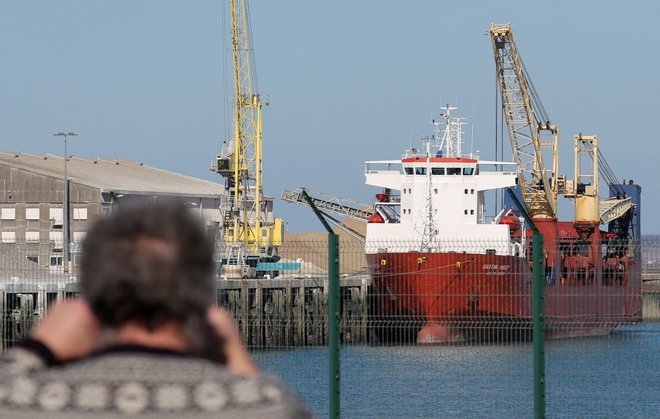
{"x":453,"y":170}
{"x":420,"y":170}
{"x":409,"y":170}
{"x":468,"y":171}
{"x":437,"y":170}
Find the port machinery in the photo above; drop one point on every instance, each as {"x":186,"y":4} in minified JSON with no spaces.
{"x":252,"y":234}
{"x":534,"y":143}
{"x":331,"y":204}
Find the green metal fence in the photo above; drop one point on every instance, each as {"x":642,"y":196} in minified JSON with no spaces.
{"x":457,"y":344}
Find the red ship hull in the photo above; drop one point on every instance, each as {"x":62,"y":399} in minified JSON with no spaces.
{"x":445,"y":297}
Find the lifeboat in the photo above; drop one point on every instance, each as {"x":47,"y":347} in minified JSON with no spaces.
{"x":376,"y":218}
{"x":512,"y":221}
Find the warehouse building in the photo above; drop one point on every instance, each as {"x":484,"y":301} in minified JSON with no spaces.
{"x":32,"y":201}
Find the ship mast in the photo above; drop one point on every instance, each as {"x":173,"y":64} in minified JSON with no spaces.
{"x":449,"y":144}
{"x":429,"y":235}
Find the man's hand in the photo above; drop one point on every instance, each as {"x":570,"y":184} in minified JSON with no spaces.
{"x":239,"y":360}
{"x":69,"y":330}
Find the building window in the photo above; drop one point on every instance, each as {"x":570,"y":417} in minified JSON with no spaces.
{"x":56,"y":261}
{"x":471,"y":212}
{"x":79,"y":236}
{"x":56,"y":238}
{"x":454,"y":171}
{"x":34,"y":259}
{"x":31,"y":213}
{"x":8,"y":213}
{"x":8,"y":237}
{"x":80,"y":213}
{"x":435,"y":191}
{"x":32,"y":237}
{"x":466,"y":192}
{"x":55,"y":215}
{"x":75,"y":259}
{"x":465,"y":212}
{"x":472,"y":191}
{"x":437,"y":170}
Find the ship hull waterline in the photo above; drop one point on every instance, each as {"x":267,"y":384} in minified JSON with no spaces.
{"x":435,"y":298}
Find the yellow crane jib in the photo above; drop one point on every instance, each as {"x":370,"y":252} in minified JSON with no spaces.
{"x":248,"y":221}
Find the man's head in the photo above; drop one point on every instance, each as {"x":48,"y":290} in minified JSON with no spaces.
{"x":148,"y":265}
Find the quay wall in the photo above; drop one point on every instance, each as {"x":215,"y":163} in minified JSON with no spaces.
{"x":271,"y":313}
{"x":651,"y":301}
{"x":285,"y":312}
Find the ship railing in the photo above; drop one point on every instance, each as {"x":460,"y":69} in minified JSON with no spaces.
{"x":382,"y":166}
{"x":467,"y":246}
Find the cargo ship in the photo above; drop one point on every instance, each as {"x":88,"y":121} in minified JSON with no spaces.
{"x":443,"y":271}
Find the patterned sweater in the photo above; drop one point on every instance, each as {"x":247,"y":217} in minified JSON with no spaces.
{"x":131,"y":381}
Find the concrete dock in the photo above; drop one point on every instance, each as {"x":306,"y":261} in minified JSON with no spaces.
{"x":286,"y":311}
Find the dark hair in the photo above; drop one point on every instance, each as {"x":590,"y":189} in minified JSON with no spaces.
{"x":150,"y":265}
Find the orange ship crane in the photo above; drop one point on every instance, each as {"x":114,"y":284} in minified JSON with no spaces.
{"x":532,"y":135}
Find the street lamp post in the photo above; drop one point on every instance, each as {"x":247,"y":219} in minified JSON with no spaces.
{"x":65,"y":205}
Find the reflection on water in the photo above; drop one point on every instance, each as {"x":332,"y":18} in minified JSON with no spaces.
{"x":608,"y":376}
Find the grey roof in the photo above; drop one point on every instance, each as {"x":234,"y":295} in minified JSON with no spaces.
{"x":118,"y":175}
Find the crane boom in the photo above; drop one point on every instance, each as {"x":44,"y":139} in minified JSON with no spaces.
{"x":248,"y":222}
{"x":530,"y":132}
{"x":333,"y":204}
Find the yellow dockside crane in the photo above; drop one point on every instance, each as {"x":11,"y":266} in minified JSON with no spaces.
{"x":249,"y":225}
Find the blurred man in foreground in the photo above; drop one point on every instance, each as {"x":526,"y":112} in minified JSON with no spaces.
{"x":145,"y":339}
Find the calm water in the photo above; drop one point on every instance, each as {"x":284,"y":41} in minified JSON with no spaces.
{"x":611,"y":376}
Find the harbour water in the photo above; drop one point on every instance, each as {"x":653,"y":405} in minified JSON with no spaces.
{"x":608,"y":376}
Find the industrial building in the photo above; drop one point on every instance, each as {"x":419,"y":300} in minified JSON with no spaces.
{"x":32,"y":220}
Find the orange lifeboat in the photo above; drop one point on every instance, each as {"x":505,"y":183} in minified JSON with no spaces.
{"x":376,"y":218}
{"x":383,"y":197}
{"x":512,"y":221}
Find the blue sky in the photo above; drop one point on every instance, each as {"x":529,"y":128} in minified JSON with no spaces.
{"x":348,"y":81}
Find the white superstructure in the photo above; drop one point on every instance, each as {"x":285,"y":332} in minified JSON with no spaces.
{"x":440,"y":201}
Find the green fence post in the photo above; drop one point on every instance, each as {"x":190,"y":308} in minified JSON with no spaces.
{"x":333,"y":313}
{"x":538,"y":273}
{"x":538,"y":288}
{"x":333,"y":319}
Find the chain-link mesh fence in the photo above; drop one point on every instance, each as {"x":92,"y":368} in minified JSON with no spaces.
{"x":431,"y":333}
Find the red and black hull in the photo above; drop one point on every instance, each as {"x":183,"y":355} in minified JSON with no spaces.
{"x":444,"y":297}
